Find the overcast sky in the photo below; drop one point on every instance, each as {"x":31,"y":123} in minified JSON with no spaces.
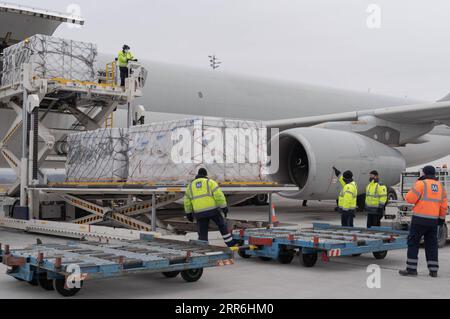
{"x":323,"y":42}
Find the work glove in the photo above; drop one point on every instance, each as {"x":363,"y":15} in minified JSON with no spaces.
{"x":337,"y":172}
{"x":225,"y":211}
{"x":190,"y":217}
{"x":441,"y":222}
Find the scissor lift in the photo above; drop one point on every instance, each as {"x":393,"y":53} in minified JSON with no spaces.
{"x":40,"y":103}
{"x":65,"y":267}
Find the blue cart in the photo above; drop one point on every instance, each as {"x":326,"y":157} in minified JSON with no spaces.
{"x":323,"y":240}
{"x":65,"y":267}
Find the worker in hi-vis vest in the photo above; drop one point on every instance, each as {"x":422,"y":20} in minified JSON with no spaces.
{"x":125,"y":56}
{"x":430,"y":210}
{"x":204,"y":201}
{"x":376,"y":200}
{"x":347,"y":197}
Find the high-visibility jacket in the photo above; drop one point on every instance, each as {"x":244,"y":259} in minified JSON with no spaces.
{"x":348,"y":195}
{"x":203,"y":195}
{"x":123,"y":58}
{"x":376,"y":196}
{"x":430,"y":199}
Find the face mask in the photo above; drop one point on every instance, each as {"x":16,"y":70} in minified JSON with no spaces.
{"x":371,"y":179}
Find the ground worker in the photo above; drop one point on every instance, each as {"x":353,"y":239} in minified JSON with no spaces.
{"x":205,"y":201}
{"x":347,"y":197}
{"x":376,"y":200}
{"x":430,"y":199}
{"x":125,"y":56}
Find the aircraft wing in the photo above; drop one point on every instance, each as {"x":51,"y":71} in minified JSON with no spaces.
{"x":18,"y":22}
{"x":436,"y":113}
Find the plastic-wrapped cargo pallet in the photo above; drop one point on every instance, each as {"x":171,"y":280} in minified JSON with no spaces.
{"x":51,"y":57}
{"x":172,"y":152}
{"x":98,"y":156}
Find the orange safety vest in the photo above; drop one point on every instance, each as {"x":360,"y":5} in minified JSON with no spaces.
{"x":429,"y":198}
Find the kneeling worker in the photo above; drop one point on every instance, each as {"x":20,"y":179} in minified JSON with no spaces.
{"x":431,"y":205}
{"x":376,"y":200}
{"x":347,"y":197}
{"x":205,"y":201}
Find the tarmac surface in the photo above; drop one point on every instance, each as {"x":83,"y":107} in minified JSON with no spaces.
{"x":344,"y":277}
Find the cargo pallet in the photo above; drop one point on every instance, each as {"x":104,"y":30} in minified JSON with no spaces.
{"x":65,"y":267}
{"x":323,"y":239}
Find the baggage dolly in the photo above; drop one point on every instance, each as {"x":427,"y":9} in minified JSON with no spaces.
{"x":65,"y":267}
{"x":323,"y":240}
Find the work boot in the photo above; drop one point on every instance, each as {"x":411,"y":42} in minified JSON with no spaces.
{"x":408,"y":273}
{"x":433,"y":274}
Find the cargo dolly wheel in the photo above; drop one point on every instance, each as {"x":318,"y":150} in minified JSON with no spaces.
{"x":192,"y":275}
{"x":34,"y":282}
{"x":60,"y":287}
{"x":309,"y":260}
{"x":286,"y":256}
{"x":44,"y":283}
{"x":171,"y":274}
{"x":265,"y":258}
{"x":243,"y":254}
{"x":380,"y":255}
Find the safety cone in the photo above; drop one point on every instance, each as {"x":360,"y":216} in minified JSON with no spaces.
{"x":274,"y":219}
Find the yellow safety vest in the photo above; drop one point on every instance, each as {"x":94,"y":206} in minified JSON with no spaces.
{"x":123,"y":58}
{"x":203,"y":195}
{"x":348,"y":195}
{"x":376,"y":195}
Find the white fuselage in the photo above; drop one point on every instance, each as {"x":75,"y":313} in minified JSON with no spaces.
{"x":184,"y":90}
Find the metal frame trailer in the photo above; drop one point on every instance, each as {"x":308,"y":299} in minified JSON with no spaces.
{"x":326,"y":240}
{"x":399,"y":213}
{"x":65,"y":267}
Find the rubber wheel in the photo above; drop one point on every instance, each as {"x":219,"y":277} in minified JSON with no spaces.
{"x":59,"y":284}
{"x":44,"y":283}
{"x":309,"y":260}
{"x":442,"y":236}
{"x":243,"y":254}
{"x":171,"y":274}
{"x":392,"y":195}
{"x":286,"y":257}
{"x":192,"y":275}
{"x":260,"y":200}
{"x":380,"y":255}
{"x":34,"y":282}
{"x":265,"y":258}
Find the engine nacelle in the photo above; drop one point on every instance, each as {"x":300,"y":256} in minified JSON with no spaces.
{"x":307,"y":156}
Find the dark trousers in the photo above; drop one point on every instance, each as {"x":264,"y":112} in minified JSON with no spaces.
{"x":217,"y":218}
{"x":429,"y":234}
{"x":123,"y":75}
{"x":347,"y":218}
{"x":373,"y":220}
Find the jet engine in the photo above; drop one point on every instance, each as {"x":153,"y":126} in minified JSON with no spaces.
{"x":307,"y":157}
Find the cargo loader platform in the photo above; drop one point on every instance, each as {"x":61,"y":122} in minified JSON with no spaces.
{"x":323,"y":240}
{"x":147,"y":198}
{"x":65,"y":267}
